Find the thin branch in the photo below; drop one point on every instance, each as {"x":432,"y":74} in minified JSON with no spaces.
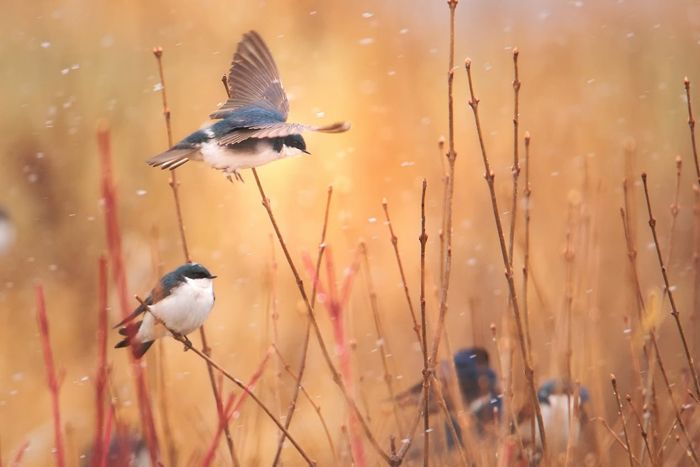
{"x":404,"y":283}
{"x":52,"y":379}
{"x":526,"y":260}
{"x":621,"y":413}
{"x":640,"y":425}
{"x":381,"y":338}
{"x":489,"y":175}
{"x":691,"y":126}
{"x":674,"y":312}
{"x":317,"y":330}
{"x":316,"y":407}
{"x":427,"y":370}
{"x":307,"y":334}
{"x":516,"y":162}
{"x":616,"y":438}
{"x":102,"y":367}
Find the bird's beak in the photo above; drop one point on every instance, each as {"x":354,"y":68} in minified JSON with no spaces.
{"x":305,"y":151}
{"x":213,"y":277}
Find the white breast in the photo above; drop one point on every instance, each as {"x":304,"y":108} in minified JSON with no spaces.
{"x":183,"y":311}
{"x":243,"y":157}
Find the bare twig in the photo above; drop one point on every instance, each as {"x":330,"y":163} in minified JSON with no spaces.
{"x":616,"y":438}
{"x":51,"y":376}
{"x":516,"y":162}
{"x":526,"y":257}
{"x":101,"y":375}
{"x":674,"y":312}
{"x":621,"y":413}
{"x":317,"y":408}
{"x":489,"y":175}
{"x":381,"y":338}
{"x":640,"y":425}
{"x":317,"y":330}
{"x":691,"y":125}
{"x":307,"y":335}
{"x":395,"y":244}
{"x":675,"y":209}
{"x":446,"y":262}
{"x":426,"y":367}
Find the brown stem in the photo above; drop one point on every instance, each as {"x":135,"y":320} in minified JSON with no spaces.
{"x":316,"y":407}
{"x":489,"y":175}
{"x":516,"y":162}
{"x":691,"y":126}
{"x":307,"y":334}
{"x":426,"y":367}
{"x":640,"y":425}
{"x":616,"y":438}
{"x":527,"y":192}
{"x":381,"y":338}
{"x":395,"y":244}
{"x":674,"y":312}
{"x":621,"y":413}
{"x":317,"y":330}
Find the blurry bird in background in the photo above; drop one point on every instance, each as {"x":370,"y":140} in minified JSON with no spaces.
{"x":125,"y":450}
{"x":7,"y":232}
{"x":478,"y":386}
{"x":252,"y":127}
{"x":564,"y":407}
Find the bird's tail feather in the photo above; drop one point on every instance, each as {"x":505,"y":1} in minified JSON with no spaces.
{"x":172,"y":158}
{"x":137,"y":349}
{"x":337,"y":127}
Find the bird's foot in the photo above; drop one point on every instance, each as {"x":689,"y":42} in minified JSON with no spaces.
{"x":238,"y":176}
{"x":184,"y":339}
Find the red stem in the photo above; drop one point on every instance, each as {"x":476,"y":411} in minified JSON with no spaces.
{"x":101,"y":377}
{"x":50,"y":374}
{"x":223,"y":422}
{"x":114,"y":246}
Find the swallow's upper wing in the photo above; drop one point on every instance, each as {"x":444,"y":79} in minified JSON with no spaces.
{"x":253,"y":79}
{"x":158,"y":293}
{"x":277,"y":130}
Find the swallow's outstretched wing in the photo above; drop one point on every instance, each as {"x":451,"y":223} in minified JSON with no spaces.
{"x":253,"y":79}
{"x":278,"y":130}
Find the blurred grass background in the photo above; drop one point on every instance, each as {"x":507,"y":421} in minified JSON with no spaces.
{"x":596,"y":75}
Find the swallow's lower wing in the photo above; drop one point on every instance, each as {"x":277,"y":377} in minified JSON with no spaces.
{"x":138,"y":311}
{"x":172,"y":158}
{"x":279,"y":130}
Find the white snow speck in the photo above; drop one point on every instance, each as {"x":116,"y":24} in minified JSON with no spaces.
{"x":45,"y":45}
{"x":408,"y":164}
{"x":367,"y":14}
{"x":366,"y":41}
{"x":157,"y":87}
{"x":141,"y":192}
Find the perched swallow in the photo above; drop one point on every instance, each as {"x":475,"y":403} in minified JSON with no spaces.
{"x":252,"y":127}
{"x":182,"y":301}
{"x":478,"y":385}
{"x":558,"y":402}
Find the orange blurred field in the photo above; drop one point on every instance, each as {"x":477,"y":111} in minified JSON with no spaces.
{"x":602,"y":96}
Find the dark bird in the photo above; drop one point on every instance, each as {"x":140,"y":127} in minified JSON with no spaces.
{"x":252,"y":127}
{"x":180,"y":302}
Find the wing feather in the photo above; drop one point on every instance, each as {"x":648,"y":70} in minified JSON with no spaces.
{"x":253,"y":79}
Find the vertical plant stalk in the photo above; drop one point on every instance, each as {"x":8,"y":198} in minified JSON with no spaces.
{"x":174,"y":185}
{"x":101,"y":375}
{"x":51,"y":378}
{"x":489,"y":175}
{"x":527,"y":193}
{"x":691,"y":126}
{"x":674,"y":312}
{"x":404,"y":283}
{"x":642,"y":431}
{"x":381,"y":337}
{"x":516,"y":162}
{"x":316,"y":407}
{"x":317,"y":330}
{"x":427,"y":370}
{"x":654,"y":350}
{"x":446,"y":262}
{"x":675,"y":209}
{"x":307,"y":334}
{"x":336,"y":305}
{"x":621,"y":414}
{"x":223,"y":421}
{"x":695,"y":314}
{"x":114,"y":245}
